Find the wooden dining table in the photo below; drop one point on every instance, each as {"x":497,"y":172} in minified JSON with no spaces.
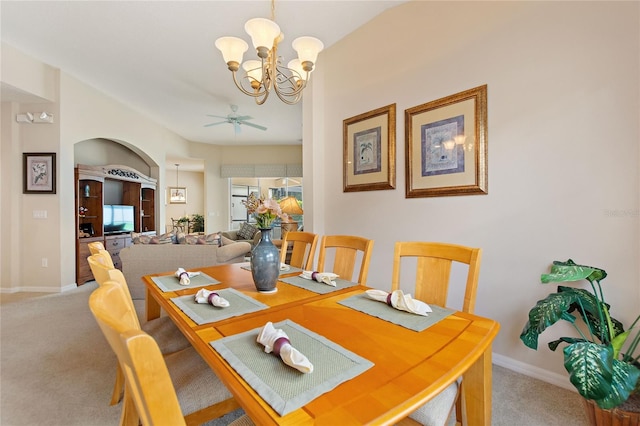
{"x":408,"y":367}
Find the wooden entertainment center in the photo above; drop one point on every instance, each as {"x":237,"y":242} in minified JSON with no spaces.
{"x":126,"y":187}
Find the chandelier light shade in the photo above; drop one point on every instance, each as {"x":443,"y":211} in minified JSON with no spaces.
{"x":267,"y":74}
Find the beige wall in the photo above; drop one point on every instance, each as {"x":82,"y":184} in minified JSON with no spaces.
{"x":563,"y":132}
{"x":83,"y":114}
{"x":194,"y":182}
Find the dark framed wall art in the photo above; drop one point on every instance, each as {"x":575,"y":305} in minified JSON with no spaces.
{"x":39,"y":172}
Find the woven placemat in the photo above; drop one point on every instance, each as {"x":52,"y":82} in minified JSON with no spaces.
{"x":317,"y":287}
{"x":168,"y":283}
{"x":291,"y":270}
{"x":203,"y":313}
{"x":362,"y":303}
{"x":284,"y":388}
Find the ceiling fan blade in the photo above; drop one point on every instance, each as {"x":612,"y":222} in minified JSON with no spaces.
{"x":257,"y":126}
{"x":217,"y":116}
{"x":243,"y":117}
{"x":215,"y":124}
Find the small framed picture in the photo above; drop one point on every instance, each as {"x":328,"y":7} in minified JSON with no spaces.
{"x":369,"y":150}
{"x":177,"y":195}
{"x":39,"y":173}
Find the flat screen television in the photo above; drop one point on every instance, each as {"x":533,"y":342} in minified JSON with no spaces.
{"x":117,"y":219}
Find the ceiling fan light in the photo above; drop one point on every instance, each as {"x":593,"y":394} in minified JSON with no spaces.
{"x":307,"y":48}
{"x":232,"y":48}
{"x":262,"y":31}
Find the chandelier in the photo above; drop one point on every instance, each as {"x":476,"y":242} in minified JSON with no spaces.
{"x":267,"y":74}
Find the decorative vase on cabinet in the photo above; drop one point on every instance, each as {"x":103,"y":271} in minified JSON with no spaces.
{"x":265,"y":263}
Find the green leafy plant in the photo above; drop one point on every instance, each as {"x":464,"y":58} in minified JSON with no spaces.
{"x":198,"y":222}
{"x":597,"y":365}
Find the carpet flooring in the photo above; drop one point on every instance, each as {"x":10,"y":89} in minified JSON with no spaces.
{"x":56,"y":369}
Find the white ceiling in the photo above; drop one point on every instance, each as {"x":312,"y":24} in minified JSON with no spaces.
{"x":159,"y":57}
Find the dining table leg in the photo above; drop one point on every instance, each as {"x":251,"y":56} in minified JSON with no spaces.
{"x":476,"y":389}
{"x":152,"y":307}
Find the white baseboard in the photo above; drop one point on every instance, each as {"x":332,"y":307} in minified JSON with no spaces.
{"x":38,"y":289}
{"x":532,"y":371}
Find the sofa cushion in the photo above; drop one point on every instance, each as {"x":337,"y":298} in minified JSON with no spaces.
{"x":210,"y":239}
{"x":247,"y":231}
{"x":225,"y":241}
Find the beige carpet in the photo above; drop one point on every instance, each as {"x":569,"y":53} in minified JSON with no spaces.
{"x":56,"y":368}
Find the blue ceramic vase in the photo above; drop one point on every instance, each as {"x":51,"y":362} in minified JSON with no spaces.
{"x":265,"y":263}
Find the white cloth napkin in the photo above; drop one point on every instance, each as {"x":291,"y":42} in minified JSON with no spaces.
{"x":276,"y":340}
{"x":184,"y":276}
{"x":284,"y":267}
{"x":403,"y":302}
{"x":212,"y":298}
{"x":321,"y":277}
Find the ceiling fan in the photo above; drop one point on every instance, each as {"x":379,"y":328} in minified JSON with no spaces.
{"x":235,"y":119}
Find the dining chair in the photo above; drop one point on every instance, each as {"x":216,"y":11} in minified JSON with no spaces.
{"x":346,"y":250}
{"x":433,"y":273}
{"x":173,"y":385}
{"x":303,"y":249}
{"x":169,"y":338}
{"x":97,"y":247}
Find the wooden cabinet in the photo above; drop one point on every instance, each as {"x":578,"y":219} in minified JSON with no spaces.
{"x":137,"y":190}
{"x":148,"y":212}
{"x":83,"y":271}
{"x":115,"y":243}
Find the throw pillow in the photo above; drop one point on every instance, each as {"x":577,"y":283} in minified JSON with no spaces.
{"x":211,"y":239}
{"x":169,"y":238}
{"x":181,"y":238}
{"x":246,"y":231}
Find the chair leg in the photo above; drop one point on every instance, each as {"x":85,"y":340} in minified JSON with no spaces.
{"x":118,"y":387}
{"x":211,"y":412}
{"x":459,"y":406}
{"x":129,"y":415}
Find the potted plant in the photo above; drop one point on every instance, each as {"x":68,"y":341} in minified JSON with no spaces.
{"x":600,"y":360}
{"x":198,"y":222}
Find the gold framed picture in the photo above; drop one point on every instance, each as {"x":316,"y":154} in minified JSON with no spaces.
{"x":369,"y":150}
{"x":446,"y":146}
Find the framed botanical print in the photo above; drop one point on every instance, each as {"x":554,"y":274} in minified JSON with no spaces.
{"x":369,"y":150}
{"x":446,"y":146}
{"x":39,"y":173}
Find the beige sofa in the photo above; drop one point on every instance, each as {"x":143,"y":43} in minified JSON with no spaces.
{"x":233,"y":235}
{"x":143,"y":259}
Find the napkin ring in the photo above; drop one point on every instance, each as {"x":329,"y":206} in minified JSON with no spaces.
{"x":279,"y":343}
{"x":389,"y":300}
{"x":210,"y":298}
{"x":183,"y":273}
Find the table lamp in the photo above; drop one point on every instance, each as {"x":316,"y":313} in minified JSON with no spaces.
{"x":289,"y":205}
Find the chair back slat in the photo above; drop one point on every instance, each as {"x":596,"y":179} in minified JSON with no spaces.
{"x":433,"y":273}
{"x":346,"y":249}
{"x":149,"y":381}
{"x":303,"y":249}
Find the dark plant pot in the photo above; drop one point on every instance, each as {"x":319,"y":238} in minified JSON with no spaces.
{"x":265,"y":263}
{"x":615,"y":417}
